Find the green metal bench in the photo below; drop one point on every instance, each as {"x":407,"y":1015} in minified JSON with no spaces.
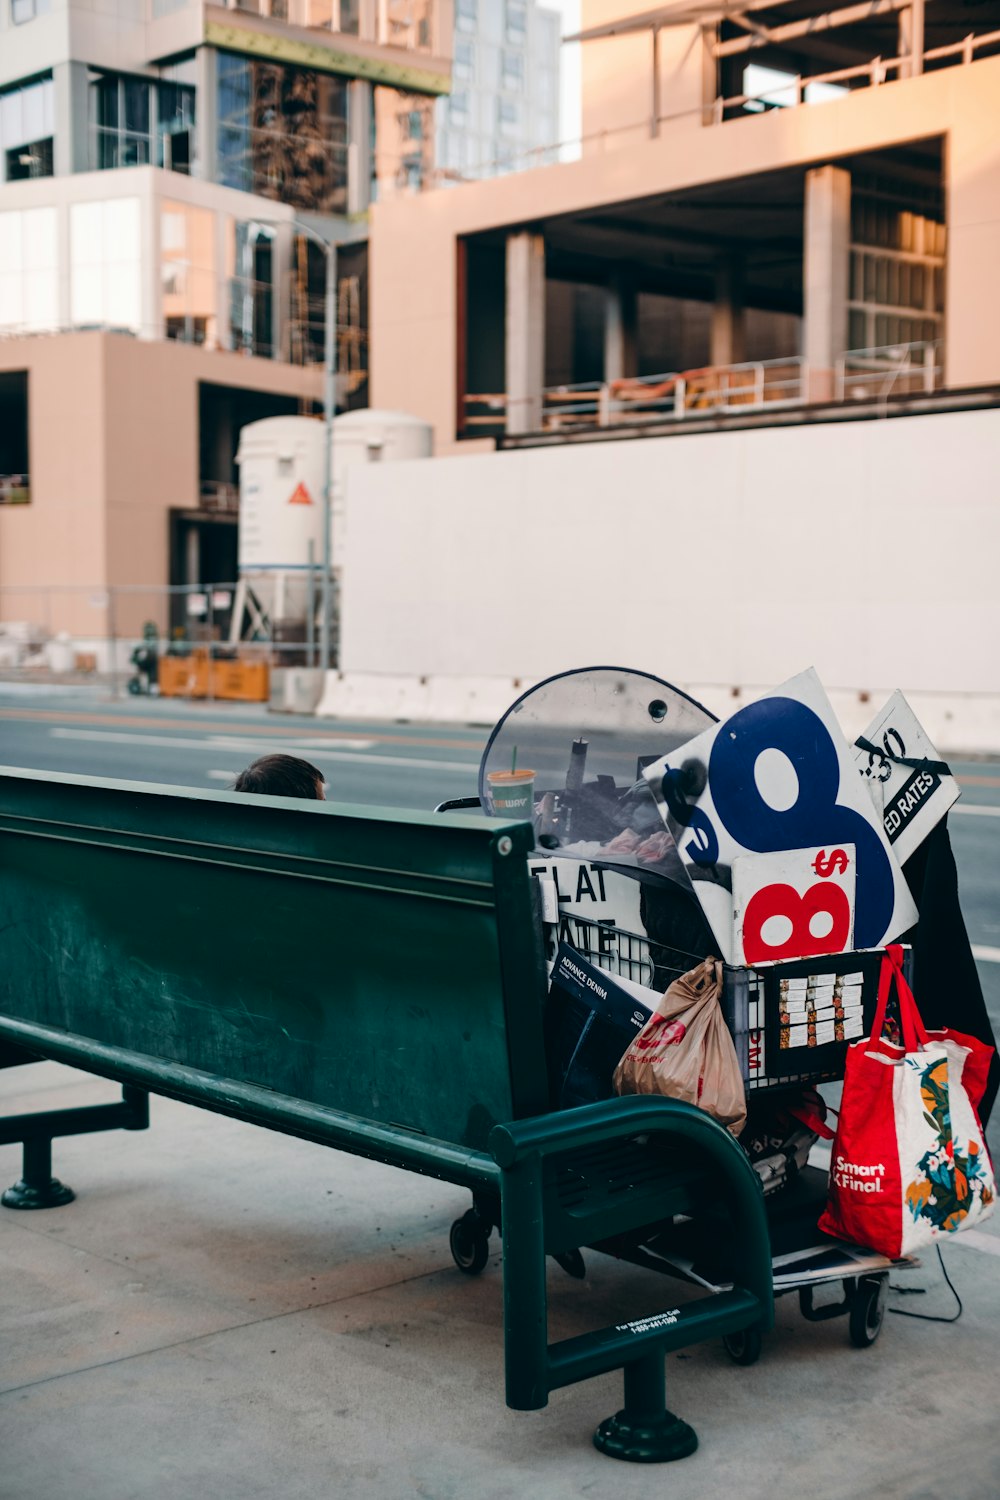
{"x":319,"y":970}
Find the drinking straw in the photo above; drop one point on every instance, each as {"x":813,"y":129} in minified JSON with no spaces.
{"x":513,"y":761}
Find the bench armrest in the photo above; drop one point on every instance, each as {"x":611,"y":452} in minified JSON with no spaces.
{"x":610,"y":1119}
{"x":534,"y":1367}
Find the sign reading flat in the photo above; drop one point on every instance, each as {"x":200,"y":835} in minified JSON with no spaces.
{"x":779,"y":776}
{"x":592,"y":908}
{"x":911,"y":787}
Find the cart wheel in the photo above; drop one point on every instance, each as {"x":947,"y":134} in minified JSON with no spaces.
{"x":572,"y":1263}
{"x":470,"y":1244}
{"x":744,"y":1347}
{"x":868,"y":1310}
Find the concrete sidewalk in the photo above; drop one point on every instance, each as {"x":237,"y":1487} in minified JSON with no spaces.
{"x":225,"y":1313}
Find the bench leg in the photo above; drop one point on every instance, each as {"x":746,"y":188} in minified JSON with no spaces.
{"x":644,"y":1432}
{"x":37,"y":1187}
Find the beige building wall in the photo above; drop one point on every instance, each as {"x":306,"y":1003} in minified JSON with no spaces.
{"x":617,"y":77}
{"x":113,"y":448}
{"x":413,"y":255}
{"x":60,"y":538}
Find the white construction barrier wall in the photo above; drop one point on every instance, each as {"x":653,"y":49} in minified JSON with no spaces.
{"x":724,"y":562}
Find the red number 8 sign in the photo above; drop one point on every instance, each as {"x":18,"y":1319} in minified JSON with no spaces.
{"x":783,"y":901}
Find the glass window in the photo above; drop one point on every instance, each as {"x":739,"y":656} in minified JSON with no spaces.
{"x":464,"y":65}
{"x":187,"y":246}
{"x":136,"y":106}
{"x":120,"y":120}
{"x":29,"y":283}
{"x":411,"y":23}
{"x":283,"y":133}
{"x":517,"y":23}
{"x":33,"y":159}
{"x":458,"y":105}
{"x":105,"y":97}
{"x":27,"y":10}
{"x":251,"y":289}
{"x":508,"y":116}
{"x":105,"y":280}
{"x":175,"y":126}
{"x":512,"y":74}
{"x":27,"y":113}
{"x":466,"y":15}
{"x":350,"y":17}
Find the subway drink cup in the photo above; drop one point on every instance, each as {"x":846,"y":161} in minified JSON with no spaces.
{"x":512,"y":794}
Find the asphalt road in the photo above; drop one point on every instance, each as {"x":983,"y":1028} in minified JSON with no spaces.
{"x":388,"y":765}
{"x":207,"y":744}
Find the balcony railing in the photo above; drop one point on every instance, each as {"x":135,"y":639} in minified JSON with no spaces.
{"x":894,"y":370}
{"x":719,"y":389}
{"x":410,"y":24}
{"x":219,"y":497}
{"x":871,"y":73}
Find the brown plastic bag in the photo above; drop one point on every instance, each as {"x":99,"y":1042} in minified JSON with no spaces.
{"x":685,"y":1051}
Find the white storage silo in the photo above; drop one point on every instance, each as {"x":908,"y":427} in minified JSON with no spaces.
{"x":366,"y":437}
{"x":281,"y":511}
{"x":281,"y":504}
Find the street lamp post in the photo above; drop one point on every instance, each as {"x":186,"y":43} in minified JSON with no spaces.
{"x":329,"y":412}
{"x":329,"y":249}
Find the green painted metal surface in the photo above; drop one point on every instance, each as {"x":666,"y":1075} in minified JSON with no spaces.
{"x":524,"y":1149}
{"x":367,"y":979}
{"x":366,"y":962}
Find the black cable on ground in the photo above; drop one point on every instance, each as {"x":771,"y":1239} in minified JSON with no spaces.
{"x":902,"y":1312}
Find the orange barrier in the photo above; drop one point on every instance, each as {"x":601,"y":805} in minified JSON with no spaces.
{"x":195,"y":676}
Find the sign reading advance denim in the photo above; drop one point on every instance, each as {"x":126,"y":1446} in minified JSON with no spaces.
{"x":778,"y":776}
{"x":590,"y":1020}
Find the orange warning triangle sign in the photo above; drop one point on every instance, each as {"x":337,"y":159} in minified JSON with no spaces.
{"x":300,"y":496}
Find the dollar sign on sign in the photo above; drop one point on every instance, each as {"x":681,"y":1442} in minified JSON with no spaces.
{"x":830,"y":864}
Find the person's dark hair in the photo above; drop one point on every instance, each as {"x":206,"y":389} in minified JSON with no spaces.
{"x":281,"y":776}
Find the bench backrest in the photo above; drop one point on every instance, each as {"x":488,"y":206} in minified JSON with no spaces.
{"x":381,"y":963}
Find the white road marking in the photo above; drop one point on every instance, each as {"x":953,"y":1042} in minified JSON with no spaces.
{"x":330,"y":744}
{"x":976,"y":809}
{"x":222,"y":775}
{"x":987,"y":955}
{"x":220,"y":742}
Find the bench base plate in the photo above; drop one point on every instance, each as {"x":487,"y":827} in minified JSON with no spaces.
{"x":641,"y":1440}
{"x":51,"y":1194}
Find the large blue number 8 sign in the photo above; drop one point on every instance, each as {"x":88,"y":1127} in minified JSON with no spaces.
{"x":815,"y":817}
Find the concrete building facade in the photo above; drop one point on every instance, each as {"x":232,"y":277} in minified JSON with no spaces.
{"x":829,"y":237}
{"x":165,"y":169}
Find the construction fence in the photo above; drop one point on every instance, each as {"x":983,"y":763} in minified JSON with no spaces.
{"x":195,"y":641}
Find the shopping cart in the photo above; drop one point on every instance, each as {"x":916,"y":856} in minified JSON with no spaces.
{"x":571,"y":753}
{"x":794,"y":1178}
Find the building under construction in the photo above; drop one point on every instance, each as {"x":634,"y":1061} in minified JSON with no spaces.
{"x":778,"y":208}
